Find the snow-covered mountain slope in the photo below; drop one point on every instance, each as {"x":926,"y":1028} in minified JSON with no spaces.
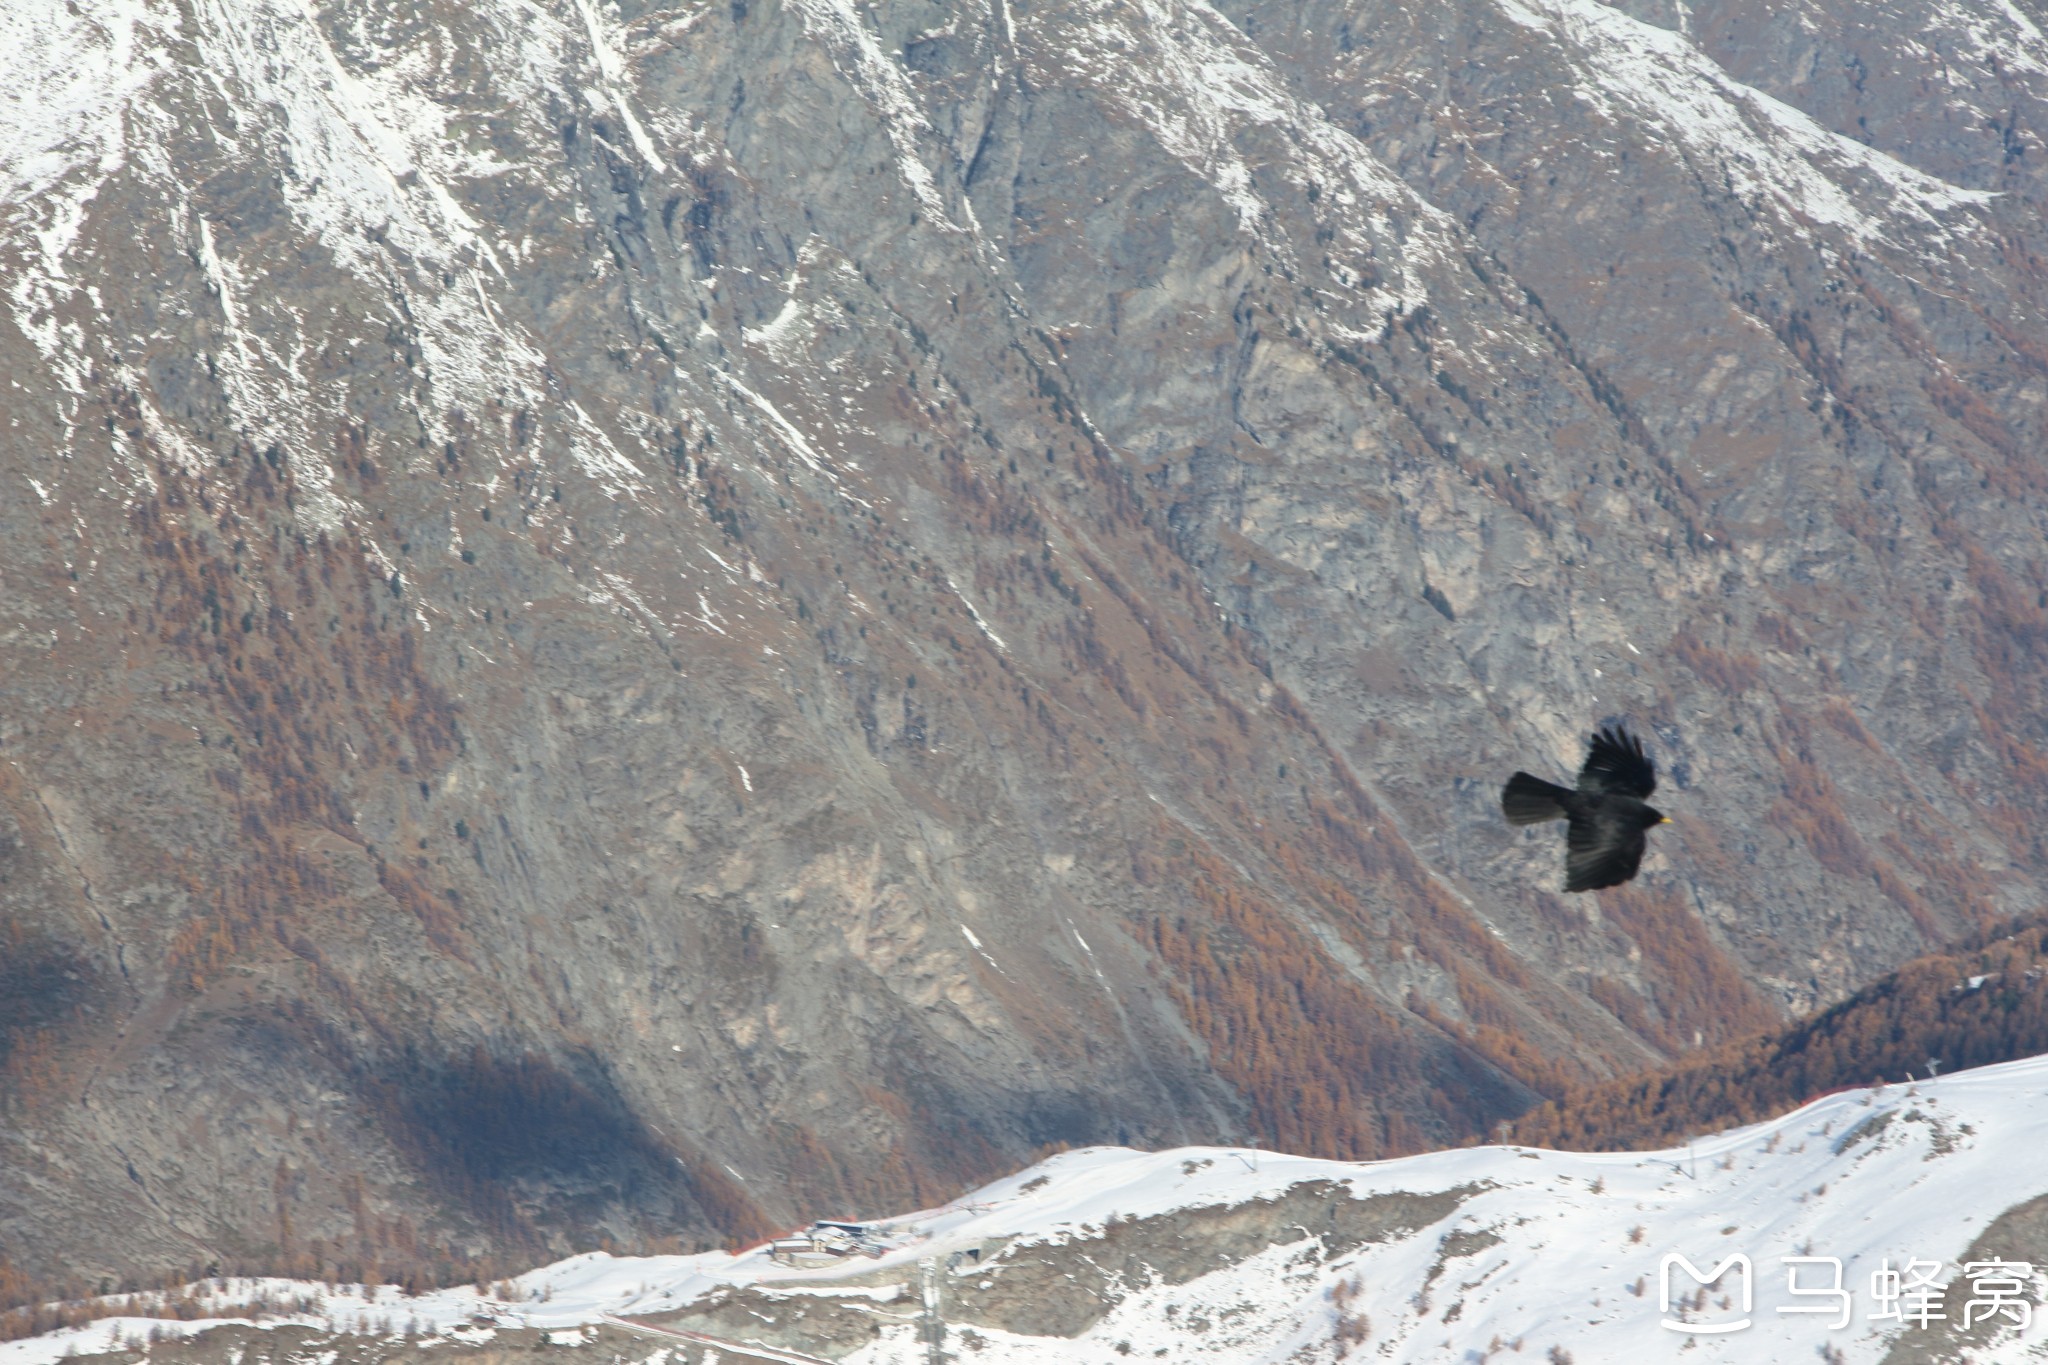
{"x":839,"y":593}
{"x":1233,"y":1255}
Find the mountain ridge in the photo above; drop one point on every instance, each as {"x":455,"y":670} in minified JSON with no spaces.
{"x":1962,"y":1009}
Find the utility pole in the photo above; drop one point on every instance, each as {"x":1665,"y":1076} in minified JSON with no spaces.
{"x":932,"y":1326}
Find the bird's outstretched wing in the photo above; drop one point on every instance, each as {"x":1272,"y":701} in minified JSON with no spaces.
{"x":1599,"y":852}
{"x":1616,"y":763}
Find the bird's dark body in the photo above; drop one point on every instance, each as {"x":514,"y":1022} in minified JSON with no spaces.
{"x":1606,"y":814}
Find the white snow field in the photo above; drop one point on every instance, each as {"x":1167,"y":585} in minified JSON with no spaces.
{"x":1548,"y":1252}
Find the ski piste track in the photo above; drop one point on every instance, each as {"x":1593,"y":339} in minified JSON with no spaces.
{"x":740,"y":1352}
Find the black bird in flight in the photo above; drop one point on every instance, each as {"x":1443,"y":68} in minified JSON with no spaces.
{"x":1603,"y":843}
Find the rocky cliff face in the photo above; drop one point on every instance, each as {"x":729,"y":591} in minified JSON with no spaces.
{"x":832,"y":594}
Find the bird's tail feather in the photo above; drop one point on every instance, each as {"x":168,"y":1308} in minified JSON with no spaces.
{"x":1530,"y":800}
